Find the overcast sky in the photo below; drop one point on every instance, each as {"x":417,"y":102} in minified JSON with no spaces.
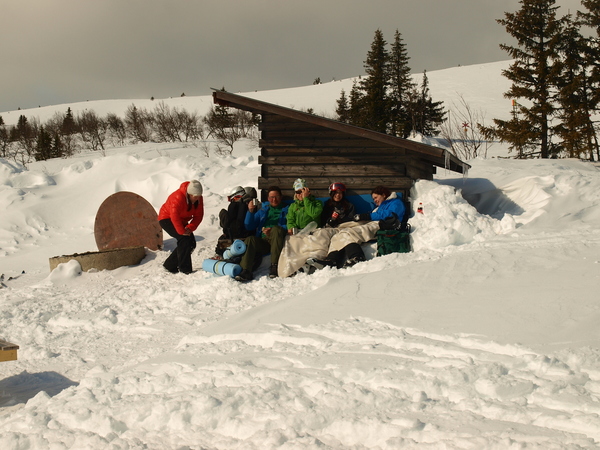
{"x":62,"y":51}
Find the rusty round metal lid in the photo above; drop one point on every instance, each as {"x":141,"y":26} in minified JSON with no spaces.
{"x":126,"y":219}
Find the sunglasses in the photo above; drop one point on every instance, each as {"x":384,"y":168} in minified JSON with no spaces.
{"x":299,"y":191}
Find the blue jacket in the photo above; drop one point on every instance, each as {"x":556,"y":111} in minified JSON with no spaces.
{"x":391,"y":205}
{"x":256,"y":220}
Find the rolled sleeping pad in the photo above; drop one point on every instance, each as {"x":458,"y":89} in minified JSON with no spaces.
{"x":237,"y":248}
{"x":219,"y":267}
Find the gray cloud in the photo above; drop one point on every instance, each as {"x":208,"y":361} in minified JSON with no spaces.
{"x":60,"y":51}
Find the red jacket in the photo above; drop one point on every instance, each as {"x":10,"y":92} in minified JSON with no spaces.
{"x":180,"y":211}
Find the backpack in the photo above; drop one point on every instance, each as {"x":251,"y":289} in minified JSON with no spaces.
{"x":393,"y":241}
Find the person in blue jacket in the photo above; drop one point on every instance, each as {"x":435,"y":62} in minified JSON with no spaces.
{"x":386,"y":203}
{"x":270,"y":224}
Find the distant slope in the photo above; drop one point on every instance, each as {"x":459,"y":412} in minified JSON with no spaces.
{"x":481,"y":85}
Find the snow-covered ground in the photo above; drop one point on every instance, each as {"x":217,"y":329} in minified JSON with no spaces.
{"x":485,"y":336}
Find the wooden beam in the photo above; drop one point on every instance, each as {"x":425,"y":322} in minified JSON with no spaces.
{"x":315,"y":134}
{"x":335,"y":170}
{"x":320,"y":143}
{"x":375,"y":152}
{"x":322,"y":183}
{"x":360,"y":158}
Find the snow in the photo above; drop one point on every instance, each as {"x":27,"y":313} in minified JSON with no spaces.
{"x":485,"y":336}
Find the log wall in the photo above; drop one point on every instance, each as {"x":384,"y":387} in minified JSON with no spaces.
{"x":292,"y":149}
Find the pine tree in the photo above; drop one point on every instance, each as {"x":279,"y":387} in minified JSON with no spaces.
{"x":4,"y":139}
{"x":425,"y":115}
{"x":43,"y":150}
{"x":57,"y":147}
{"x":68,"y":126}
{"x":375,"y":85}
{"x":356,"y":111}
{"x":533,"y":74}
{"x":576,"y":130}
{"x":25,"y":135}
{"x":401,"y":84}
{"x":68,"y":130}
{"x":343,"y":109}
{"x":591,"y":18}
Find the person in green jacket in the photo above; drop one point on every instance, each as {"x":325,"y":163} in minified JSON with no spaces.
{"x":305,"y":209}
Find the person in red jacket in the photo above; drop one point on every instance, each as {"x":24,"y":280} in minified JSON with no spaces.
{"x":179,"y":217}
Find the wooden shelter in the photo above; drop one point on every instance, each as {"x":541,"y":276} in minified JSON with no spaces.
{"x":8,"y":351}
{"x":296,"y":144}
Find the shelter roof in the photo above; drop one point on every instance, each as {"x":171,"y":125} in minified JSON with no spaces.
{"x":436,"y":155}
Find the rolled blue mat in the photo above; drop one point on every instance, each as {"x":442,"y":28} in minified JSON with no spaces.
{"x":237,"y":248}
{"x":221,"y":267}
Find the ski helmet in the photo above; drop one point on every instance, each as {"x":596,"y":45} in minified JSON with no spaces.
{"x":249,"y":194}
{"x":337,"y":187}
{"x":237,"y":191}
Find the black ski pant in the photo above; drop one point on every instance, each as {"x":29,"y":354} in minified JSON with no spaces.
{"x":350,"y":251}
{"x":181,"y":258}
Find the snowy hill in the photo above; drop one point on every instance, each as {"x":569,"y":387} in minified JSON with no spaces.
{"x":485,"y":336}
{"x":481,"y":85}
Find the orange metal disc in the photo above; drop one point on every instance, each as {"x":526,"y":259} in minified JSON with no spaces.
{"x":126,"y":219}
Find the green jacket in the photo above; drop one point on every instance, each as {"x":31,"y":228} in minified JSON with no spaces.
{"x":303,"y":212}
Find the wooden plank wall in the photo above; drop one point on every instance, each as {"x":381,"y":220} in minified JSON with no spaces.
{"x":292,"y":149}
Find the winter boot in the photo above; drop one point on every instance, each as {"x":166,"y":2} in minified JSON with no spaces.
{"x":320,"y":263}
{"x":245,"y":275}
{"x":273,"y":271}
{"x":353,"y":261}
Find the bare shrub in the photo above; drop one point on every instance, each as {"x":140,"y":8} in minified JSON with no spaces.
{"x":229,"y":127}
{"x":464,"y":131}
{"x":92,"y":130}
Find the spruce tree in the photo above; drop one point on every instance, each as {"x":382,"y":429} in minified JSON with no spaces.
{"x":425,"y":115}
{"x":68,"y":131}
{"x":43,"y":149}
{"x":591,"y":18}
{"x":68,"y":126}
{"x":533,"y":74}
{"x":375,"y":85}
{"x":57,"y":147}
{"x":575,"y":96}
{"x":343,"y":108}
{"x":4,"y":139}
{"x":356,"y":112}
{"x":25,"y":135}
{"x":401,"y":84}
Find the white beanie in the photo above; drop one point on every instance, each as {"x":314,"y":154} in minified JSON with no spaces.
{"x":299,"y":184}
{"x":194,"y":188}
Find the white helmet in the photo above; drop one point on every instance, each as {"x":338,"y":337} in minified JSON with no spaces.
{"x":238,"y":190}
{"x":236,"y":193}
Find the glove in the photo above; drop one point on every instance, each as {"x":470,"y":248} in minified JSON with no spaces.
{"x":363,"y":216}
